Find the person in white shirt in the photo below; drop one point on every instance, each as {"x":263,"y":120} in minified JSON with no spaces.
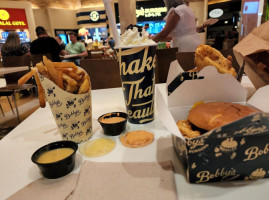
{"x":180,"y":27}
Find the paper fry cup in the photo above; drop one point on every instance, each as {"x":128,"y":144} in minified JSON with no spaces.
{"x":137,"y":67}
{"x":72,"y":112}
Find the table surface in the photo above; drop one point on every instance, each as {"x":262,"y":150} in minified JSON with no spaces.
{"x":16,"y":149}
{"x":8,"y":70}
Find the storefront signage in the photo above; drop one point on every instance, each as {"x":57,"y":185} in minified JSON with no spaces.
{"x":11,"y":18}
{"x":150,"y":12}
{"x":153,"y":10}
{"x":94,"y":16}
{"x":216,"y":13}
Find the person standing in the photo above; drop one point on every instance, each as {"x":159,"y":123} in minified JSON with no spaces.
{"x":46,"y":45}
{"x":13,"y":46}
{"x":180,"y":27}
{"x":75,"y":48}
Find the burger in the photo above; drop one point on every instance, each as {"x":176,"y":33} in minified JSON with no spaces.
{"x":211,"y":115}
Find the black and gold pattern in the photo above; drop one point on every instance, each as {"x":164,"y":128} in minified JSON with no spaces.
{"x":180,"y":79}
{"x":137,"y":66}
{"x":236,"y":151}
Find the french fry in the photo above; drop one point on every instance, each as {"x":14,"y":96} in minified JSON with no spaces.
{"x":25,"y":78}
{"x":65,"y":65}
{"x":41,"y":93}
{"x":55,"y":74}
{"x":81,"y":73}
{"x":67,"y":77}
{"x":85,"y":86}
{"x":42,"y":69}
{"x":71,"y":86}
{"x":72,"y":74}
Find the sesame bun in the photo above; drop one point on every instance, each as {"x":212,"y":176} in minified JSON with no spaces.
{"x":211,"y":115}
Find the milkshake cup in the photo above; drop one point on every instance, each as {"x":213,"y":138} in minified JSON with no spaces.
{"x":137,"y":71}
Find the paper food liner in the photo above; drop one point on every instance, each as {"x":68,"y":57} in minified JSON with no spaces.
{"x":72,"y":112}
{"x":137,"y":71}
{"x":256,"y":41}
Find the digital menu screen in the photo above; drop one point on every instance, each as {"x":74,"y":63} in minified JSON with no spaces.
{"x":251,"y":7}
{"x":4,"y":35}
{"x":154,"y":27}
{"x":22,"y":35}
{"x":64,"y":38}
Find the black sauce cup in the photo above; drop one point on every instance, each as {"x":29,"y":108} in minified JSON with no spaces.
{"x":114,"y":129}
{"x":59,"y":168}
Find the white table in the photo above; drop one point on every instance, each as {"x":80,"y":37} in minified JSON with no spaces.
{"x":16,"y":149}
{"x":8,"y":70}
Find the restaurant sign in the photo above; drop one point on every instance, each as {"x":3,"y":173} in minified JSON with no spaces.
{"x":150,"y":12}
{"x":216,"y":13}
{"x":11,"y":18}
{"x":95,"y":16}
{"x":154,"y":10}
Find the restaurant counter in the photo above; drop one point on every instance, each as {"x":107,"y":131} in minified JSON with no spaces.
{"x":16,"y":149}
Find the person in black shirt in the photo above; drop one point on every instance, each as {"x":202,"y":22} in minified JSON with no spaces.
{"x":45,"y":44}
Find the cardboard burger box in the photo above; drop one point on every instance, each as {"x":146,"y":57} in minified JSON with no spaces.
{"x":254,"y":51}
{"x":236,"y":151}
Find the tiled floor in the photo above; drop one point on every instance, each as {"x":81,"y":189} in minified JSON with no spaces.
{"x":26,"y":106}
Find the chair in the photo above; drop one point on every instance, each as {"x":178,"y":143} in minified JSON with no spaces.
{"x":164,"y":58}
{"x":186,"y":60}
{"x":103,"y":73}
{"x":12,"y":79}
{"x":36,"y":58}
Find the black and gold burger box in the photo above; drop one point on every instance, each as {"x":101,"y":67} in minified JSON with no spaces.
{"x":239,"y":150}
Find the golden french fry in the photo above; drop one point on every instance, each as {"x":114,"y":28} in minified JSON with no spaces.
{"x":25,"y":78}
{"x":71,"y":86}
{"x":65,"y":65}
{"x":41,"y":93}
{"x":67,"y":77}
{"x":55,"y":74}
{"x":87,"y":77}
{"x":72,"y":75}
{"x":72,"y":82}
{"x":85,"y":86}
{"x":43,"y":70}
{"x":80,"y":72}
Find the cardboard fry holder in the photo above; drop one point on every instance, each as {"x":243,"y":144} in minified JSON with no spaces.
{"x":72,"y":112}
{"x":255,"y":44}
{"x":137,"y":67}
{"x":238,"y":150}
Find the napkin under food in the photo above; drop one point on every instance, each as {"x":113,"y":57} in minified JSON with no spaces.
{"x":132,"y":181}
{"x":47,"y":189}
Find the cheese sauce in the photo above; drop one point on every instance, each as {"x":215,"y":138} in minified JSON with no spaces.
{"x":54,"y":155}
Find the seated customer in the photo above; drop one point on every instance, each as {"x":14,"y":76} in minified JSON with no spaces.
{"x":110,"y":46}
{"x":46,"y":45}
{"x":13,"y":46}
{"x":60,"y":42}
{"x":96,"y":44}
{"x":75,"y":48}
